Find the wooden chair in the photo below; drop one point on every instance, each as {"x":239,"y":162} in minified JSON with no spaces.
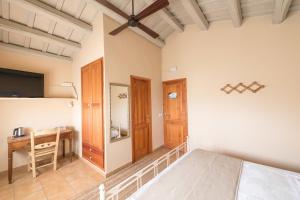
{"x":42,"y":152}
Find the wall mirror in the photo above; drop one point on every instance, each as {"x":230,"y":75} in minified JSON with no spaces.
{"x":119,"y":112}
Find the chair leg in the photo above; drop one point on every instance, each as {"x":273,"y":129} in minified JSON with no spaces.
{"x":33,"y":166}
{"x":28,"y":164}
{"x":55,"y":162}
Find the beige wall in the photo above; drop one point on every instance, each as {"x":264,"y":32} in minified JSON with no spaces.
{"x":262,"y":127}
{"x":56,"y":71}
{"x":129,"y":54}
{"x":44,"y":113}
{"x":92,"y":49}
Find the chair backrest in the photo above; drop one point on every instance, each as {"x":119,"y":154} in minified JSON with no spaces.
{"x":46,"y":144}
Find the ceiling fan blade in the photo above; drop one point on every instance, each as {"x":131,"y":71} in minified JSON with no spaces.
{"x":148,"y":30}
{"x":118,"y":30}
{"x":112,"y":7}
{"x":156,"y":6}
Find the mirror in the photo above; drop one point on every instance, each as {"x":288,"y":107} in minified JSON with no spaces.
{"x":119,"y":112}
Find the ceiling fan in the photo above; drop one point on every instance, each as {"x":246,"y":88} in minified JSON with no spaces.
{"x":134,"y":20}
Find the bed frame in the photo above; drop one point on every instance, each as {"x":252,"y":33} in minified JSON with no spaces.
{"x":137,"y":178}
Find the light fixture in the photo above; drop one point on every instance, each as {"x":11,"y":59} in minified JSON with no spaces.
{"x":70,"y":84}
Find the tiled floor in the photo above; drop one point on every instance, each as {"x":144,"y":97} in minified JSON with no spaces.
{"x":70,"y":180}
{"x":75,"y":180}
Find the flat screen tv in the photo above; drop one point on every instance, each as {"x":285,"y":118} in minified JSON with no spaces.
{"x":14,"y":83}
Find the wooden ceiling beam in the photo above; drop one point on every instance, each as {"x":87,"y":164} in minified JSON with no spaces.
{"x":59,"y":4}
{"x":281,"y":10}
{"x":235,"y":10}
{"x":54,"y":14}
{"x":26,"y":31}
{"x":80,"y":8}
{"x":168,"y":17}
{"x":31,"y":51}
{"x":5,"y":9}
{"x":193,"y":9}
{"x":30,"y":22}
{"x":5,"y":12}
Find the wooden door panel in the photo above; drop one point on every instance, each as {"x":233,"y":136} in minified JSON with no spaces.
{"x":174,"y":134}
{"x":86,"y":84}
{"x":141,"y":105}
{"x":174,"y":107}
{"x":85,"y":123}
{"x":97,"y":81}
{"x":97,"y":127}
{"x":175,"y":112}
{"x":141,"y":117}
{"x":141,"y":141}
{"x":86,"y":100}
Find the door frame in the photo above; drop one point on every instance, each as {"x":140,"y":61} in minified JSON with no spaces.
{"x":186,"y":106}
{"x":132,"y":77}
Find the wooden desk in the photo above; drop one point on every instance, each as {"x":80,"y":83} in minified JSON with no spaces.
{"x":15,"y":144}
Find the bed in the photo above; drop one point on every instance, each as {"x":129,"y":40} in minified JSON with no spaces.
{"x":200,"y":174}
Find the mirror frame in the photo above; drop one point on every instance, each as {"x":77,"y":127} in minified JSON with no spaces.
{"x":129,"y":112}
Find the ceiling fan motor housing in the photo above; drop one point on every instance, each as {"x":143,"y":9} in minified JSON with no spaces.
{"x":132,"y":21}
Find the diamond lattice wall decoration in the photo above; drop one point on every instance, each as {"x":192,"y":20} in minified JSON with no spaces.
{"x":241,"y":87}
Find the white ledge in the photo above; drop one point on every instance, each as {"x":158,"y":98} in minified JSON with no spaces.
{"x":45,"y":98}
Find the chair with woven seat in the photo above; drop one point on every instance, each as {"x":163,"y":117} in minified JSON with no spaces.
{"x":42,"y":152}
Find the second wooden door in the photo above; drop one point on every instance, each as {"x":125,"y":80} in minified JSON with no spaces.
{"x":175,"y":112}
{"x":141,"y":117}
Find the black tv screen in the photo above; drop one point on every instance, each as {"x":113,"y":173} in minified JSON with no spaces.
{"x":14,"y":83}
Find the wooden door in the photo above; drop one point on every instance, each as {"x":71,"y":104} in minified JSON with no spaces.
{"x":175,"y":112}
{"x":92,"y":113}
{"x":141,"y":117}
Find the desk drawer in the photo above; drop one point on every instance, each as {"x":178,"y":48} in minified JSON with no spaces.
{"x":94,"y":155}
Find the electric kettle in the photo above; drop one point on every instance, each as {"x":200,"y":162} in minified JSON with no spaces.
{"x":18,"y":132}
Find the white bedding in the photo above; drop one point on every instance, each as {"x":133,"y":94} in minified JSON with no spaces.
{"x":259,"y":182}
{"x":256,"y":182}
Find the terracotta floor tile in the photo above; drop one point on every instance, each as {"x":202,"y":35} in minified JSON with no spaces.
{"x":22,"y":178}
{"x":27,"y":189}
{"x":59,"y":191}
{"x":32,"y":196}
{"x":60,"y":196}
{"x":83,"y":184}
{"x":3,"y":180}
{"x":50,"y":176}
{"x":6,"y":192}
{"x":69,"y":180}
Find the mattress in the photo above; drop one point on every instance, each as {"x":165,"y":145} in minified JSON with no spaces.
{"x":199,"y":175}
{"x":205,"y":175}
